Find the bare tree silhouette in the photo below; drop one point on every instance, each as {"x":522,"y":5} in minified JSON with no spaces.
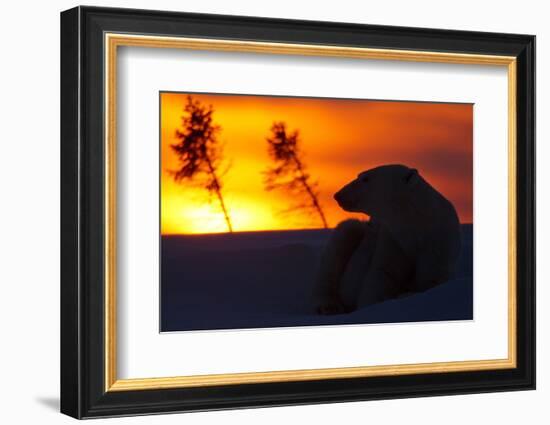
{"x":290,"y":171}
{"x":199,"y":151}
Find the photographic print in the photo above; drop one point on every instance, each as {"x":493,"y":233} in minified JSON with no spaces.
{"x":320,"y":189}
{"x":293,"y":211}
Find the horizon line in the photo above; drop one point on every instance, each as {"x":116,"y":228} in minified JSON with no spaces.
{"x":263,"y":231}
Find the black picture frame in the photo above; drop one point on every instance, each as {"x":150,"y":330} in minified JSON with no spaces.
{"x":83,"y":393}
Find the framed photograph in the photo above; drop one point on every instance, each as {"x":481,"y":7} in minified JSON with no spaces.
{"x":261,"y":212}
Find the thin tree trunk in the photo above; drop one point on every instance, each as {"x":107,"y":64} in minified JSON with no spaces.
{"x":314,"y":199}
{"x":225,"y":213}
{"x":219,"y":195}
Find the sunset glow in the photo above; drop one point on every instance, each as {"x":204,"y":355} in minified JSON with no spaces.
{"x":339,"y":139}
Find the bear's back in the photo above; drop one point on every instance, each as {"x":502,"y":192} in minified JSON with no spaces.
{"x":439,"y":240}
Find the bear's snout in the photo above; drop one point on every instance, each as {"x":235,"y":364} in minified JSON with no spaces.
{"x":350,"y":197}
{"x":344,"y":197}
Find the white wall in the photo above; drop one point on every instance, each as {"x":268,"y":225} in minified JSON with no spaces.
{"x":29,"y":217}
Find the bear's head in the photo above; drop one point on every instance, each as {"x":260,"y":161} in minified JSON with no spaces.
{"x":374,"y":191}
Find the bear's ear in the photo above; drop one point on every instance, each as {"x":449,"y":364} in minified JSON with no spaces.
{"x":411,"y":177}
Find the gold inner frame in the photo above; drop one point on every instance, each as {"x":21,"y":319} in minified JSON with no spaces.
{"x":112,"y":41}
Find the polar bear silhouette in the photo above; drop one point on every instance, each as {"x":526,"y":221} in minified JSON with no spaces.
{"x":410,"y":244}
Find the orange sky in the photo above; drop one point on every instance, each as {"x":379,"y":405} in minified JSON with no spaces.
{"x":339,"y":139}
